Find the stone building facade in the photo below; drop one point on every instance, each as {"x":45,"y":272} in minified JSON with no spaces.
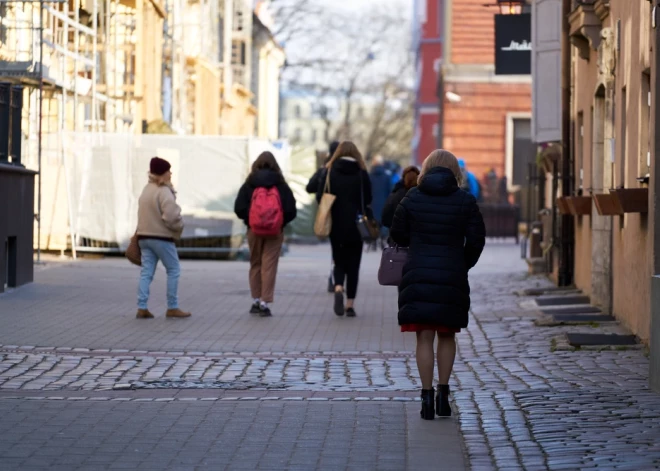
{"x":484,"y":116}
{"x":611,"y":145}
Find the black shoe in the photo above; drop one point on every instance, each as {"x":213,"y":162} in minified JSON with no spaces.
{"x":350,"y":312}
{"x":255,"y":309}
{"x":339,"y":303}
{"x":264,"y":311}
{"x":442,"y":407}
{"x":427,"y":412}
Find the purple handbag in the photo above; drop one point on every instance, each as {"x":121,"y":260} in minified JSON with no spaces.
{"x":392,"y":261}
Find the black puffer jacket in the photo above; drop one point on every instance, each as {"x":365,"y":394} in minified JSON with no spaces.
{"x":315,"y":181}
{"x":346,"y":180}
{"x":445,"y":231}
{"x":267,"y":179}
{"x":398,"y":193}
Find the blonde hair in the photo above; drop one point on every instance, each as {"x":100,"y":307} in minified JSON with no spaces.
{"x":442,"y":158}
{"x":347,"y":149}
{"x":162,"y":180}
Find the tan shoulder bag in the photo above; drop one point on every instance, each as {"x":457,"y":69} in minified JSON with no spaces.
{"x":323,"y":222}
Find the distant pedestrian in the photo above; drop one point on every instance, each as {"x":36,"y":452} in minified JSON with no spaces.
{"x":381,"y":187}
{"x":349,"y":181}
{"x":159,"y":225}
{"x":470,"y":182}
{"x":266,"y":204}
{"x":445,"y":233}
{"x":313,"y":187}
{"x":315,"y":182}
{"x":408,"y":181}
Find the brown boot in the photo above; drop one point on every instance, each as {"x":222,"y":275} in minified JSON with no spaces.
{"x":144,"y":314}
{"x":176,"y":313}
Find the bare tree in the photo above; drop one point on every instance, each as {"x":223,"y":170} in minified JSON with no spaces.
{"x":352,"y":61}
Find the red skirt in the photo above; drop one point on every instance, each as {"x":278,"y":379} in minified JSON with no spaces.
{"x":420,"y":327}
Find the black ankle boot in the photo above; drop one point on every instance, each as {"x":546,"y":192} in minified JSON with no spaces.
{"x":442,"y":407}
{"x":427,"y":411}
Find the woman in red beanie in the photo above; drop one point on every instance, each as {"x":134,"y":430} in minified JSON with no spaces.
{"x":159,"y":225}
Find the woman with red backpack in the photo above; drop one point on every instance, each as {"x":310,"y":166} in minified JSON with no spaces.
{"x":266,"y":204}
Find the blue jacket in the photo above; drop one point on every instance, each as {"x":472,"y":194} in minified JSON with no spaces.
{"x":471,"y":184}
{"x":381,"y":187}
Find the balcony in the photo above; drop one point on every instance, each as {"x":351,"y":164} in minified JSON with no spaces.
{"x":585,"y":26}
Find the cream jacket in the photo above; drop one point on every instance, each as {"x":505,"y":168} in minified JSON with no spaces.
{"x":158,"y":213}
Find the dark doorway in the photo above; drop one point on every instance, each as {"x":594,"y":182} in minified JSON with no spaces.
{"x":523,"y":154}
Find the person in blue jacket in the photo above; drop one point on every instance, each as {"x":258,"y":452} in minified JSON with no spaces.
{"x":381,"y":185}
{"x":470,"y":181}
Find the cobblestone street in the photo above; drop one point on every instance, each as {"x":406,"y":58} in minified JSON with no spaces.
{"x":84,"y":385}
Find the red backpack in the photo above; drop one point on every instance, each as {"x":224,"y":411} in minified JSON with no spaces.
{"x":266,"y":214}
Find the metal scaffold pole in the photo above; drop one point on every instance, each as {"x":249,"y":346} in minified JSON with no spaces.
{"x":40,"y":124}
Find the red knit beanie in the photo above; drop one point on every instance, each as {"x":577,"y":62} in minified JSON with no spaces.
{"x":159,"y":166}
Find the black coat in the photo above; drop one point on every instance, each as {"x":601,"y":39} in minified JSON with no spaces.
{"x":445,"y":232}
{"x":398,"y":193}
{"x":346,"y":180}
{"x":315,"y":182}
{"x":267,"y":179}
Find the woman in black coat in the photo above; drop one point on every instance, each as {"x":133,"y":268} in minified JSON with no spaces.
{"x":350,"y":183}
{"x":444,"y":230}
{"x":265,"y":250}
{"x":408,"y":181}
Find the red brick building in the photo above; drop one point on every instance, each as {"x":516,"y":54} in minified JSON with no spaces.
{"x":428,"y":39}
{"x":484,"y":118}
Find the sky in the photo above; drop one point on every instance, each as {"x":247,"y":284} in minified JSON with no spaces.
{"x":347,"y":35}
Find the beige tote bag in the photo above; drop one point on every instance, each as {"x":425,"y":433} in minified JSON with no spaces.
{"x":323,"y":222}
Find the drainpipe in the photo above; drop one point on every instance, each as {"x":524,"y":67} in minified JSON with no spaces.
{"x":567,"y":233}
{"x":654,"y":341}
{"x":441,"y":81}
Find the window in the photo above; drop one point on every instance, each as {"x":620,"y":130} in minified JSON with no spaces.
{"x":297,"y":112}
{"x":221,"y":38}
{"x":297,"y":135}
{"x":644,"y":167}
{"x":579,"y":150}
{"x":623,"y":132}
{"x":3,"y":28}
{"x":314,"y":135}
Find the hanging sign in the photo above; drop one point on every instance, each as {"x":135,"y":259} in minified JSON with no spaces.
{"x":513,"y":44}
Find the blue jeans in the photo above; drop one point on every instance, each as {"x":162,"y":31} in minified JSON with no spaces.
{"x":152,"y":251}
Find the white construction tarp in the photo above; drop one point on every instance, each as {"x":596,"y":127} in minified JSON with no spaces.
{"x":107,"y":172}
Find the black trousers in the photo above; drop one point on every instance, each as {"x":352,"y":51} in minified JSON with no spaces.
{"x":347,"y":257}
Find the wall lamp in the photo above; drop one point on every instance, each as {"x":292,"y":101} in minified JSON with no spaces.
{"x":510,"y":7}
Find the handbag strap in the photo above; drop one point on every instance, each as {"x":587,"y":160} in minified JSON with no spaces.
{"x":326,"y":187}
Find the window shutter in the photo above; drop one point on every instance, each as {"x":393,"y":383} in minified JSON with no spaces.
{"x":546,"y":70}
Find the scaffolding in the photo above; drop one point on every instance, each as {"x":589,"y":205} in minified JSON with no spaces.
{"x":78,"y":61}
{"x":42,"y":47}
{"x":117,"y":66}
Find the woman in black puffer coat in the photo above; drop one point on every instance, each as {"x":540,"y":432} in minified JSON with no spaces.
{"x":408,"y":180}
{"x":444,"y":230}
{"x":350,"y":182}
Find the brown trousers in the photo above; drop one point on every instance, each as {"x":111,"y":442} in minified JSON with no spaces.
{"x":264,"y":257}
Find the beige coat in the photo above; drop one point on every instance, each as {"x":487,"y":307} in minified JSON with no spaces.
{"x":158,"y":213}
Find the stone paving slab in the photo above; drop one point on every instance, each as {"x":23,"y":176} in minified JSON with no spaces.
{"x":524,"y":404}
{"x":91,"y":304}
{"x":59,"y":435}
{"x":524,"y":399}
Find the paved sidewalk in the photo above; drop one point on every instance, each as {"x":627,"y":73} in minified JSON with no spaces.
{"x":274,"y":435}
{"x":83,"y":385}
{"x":91,"y":304}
